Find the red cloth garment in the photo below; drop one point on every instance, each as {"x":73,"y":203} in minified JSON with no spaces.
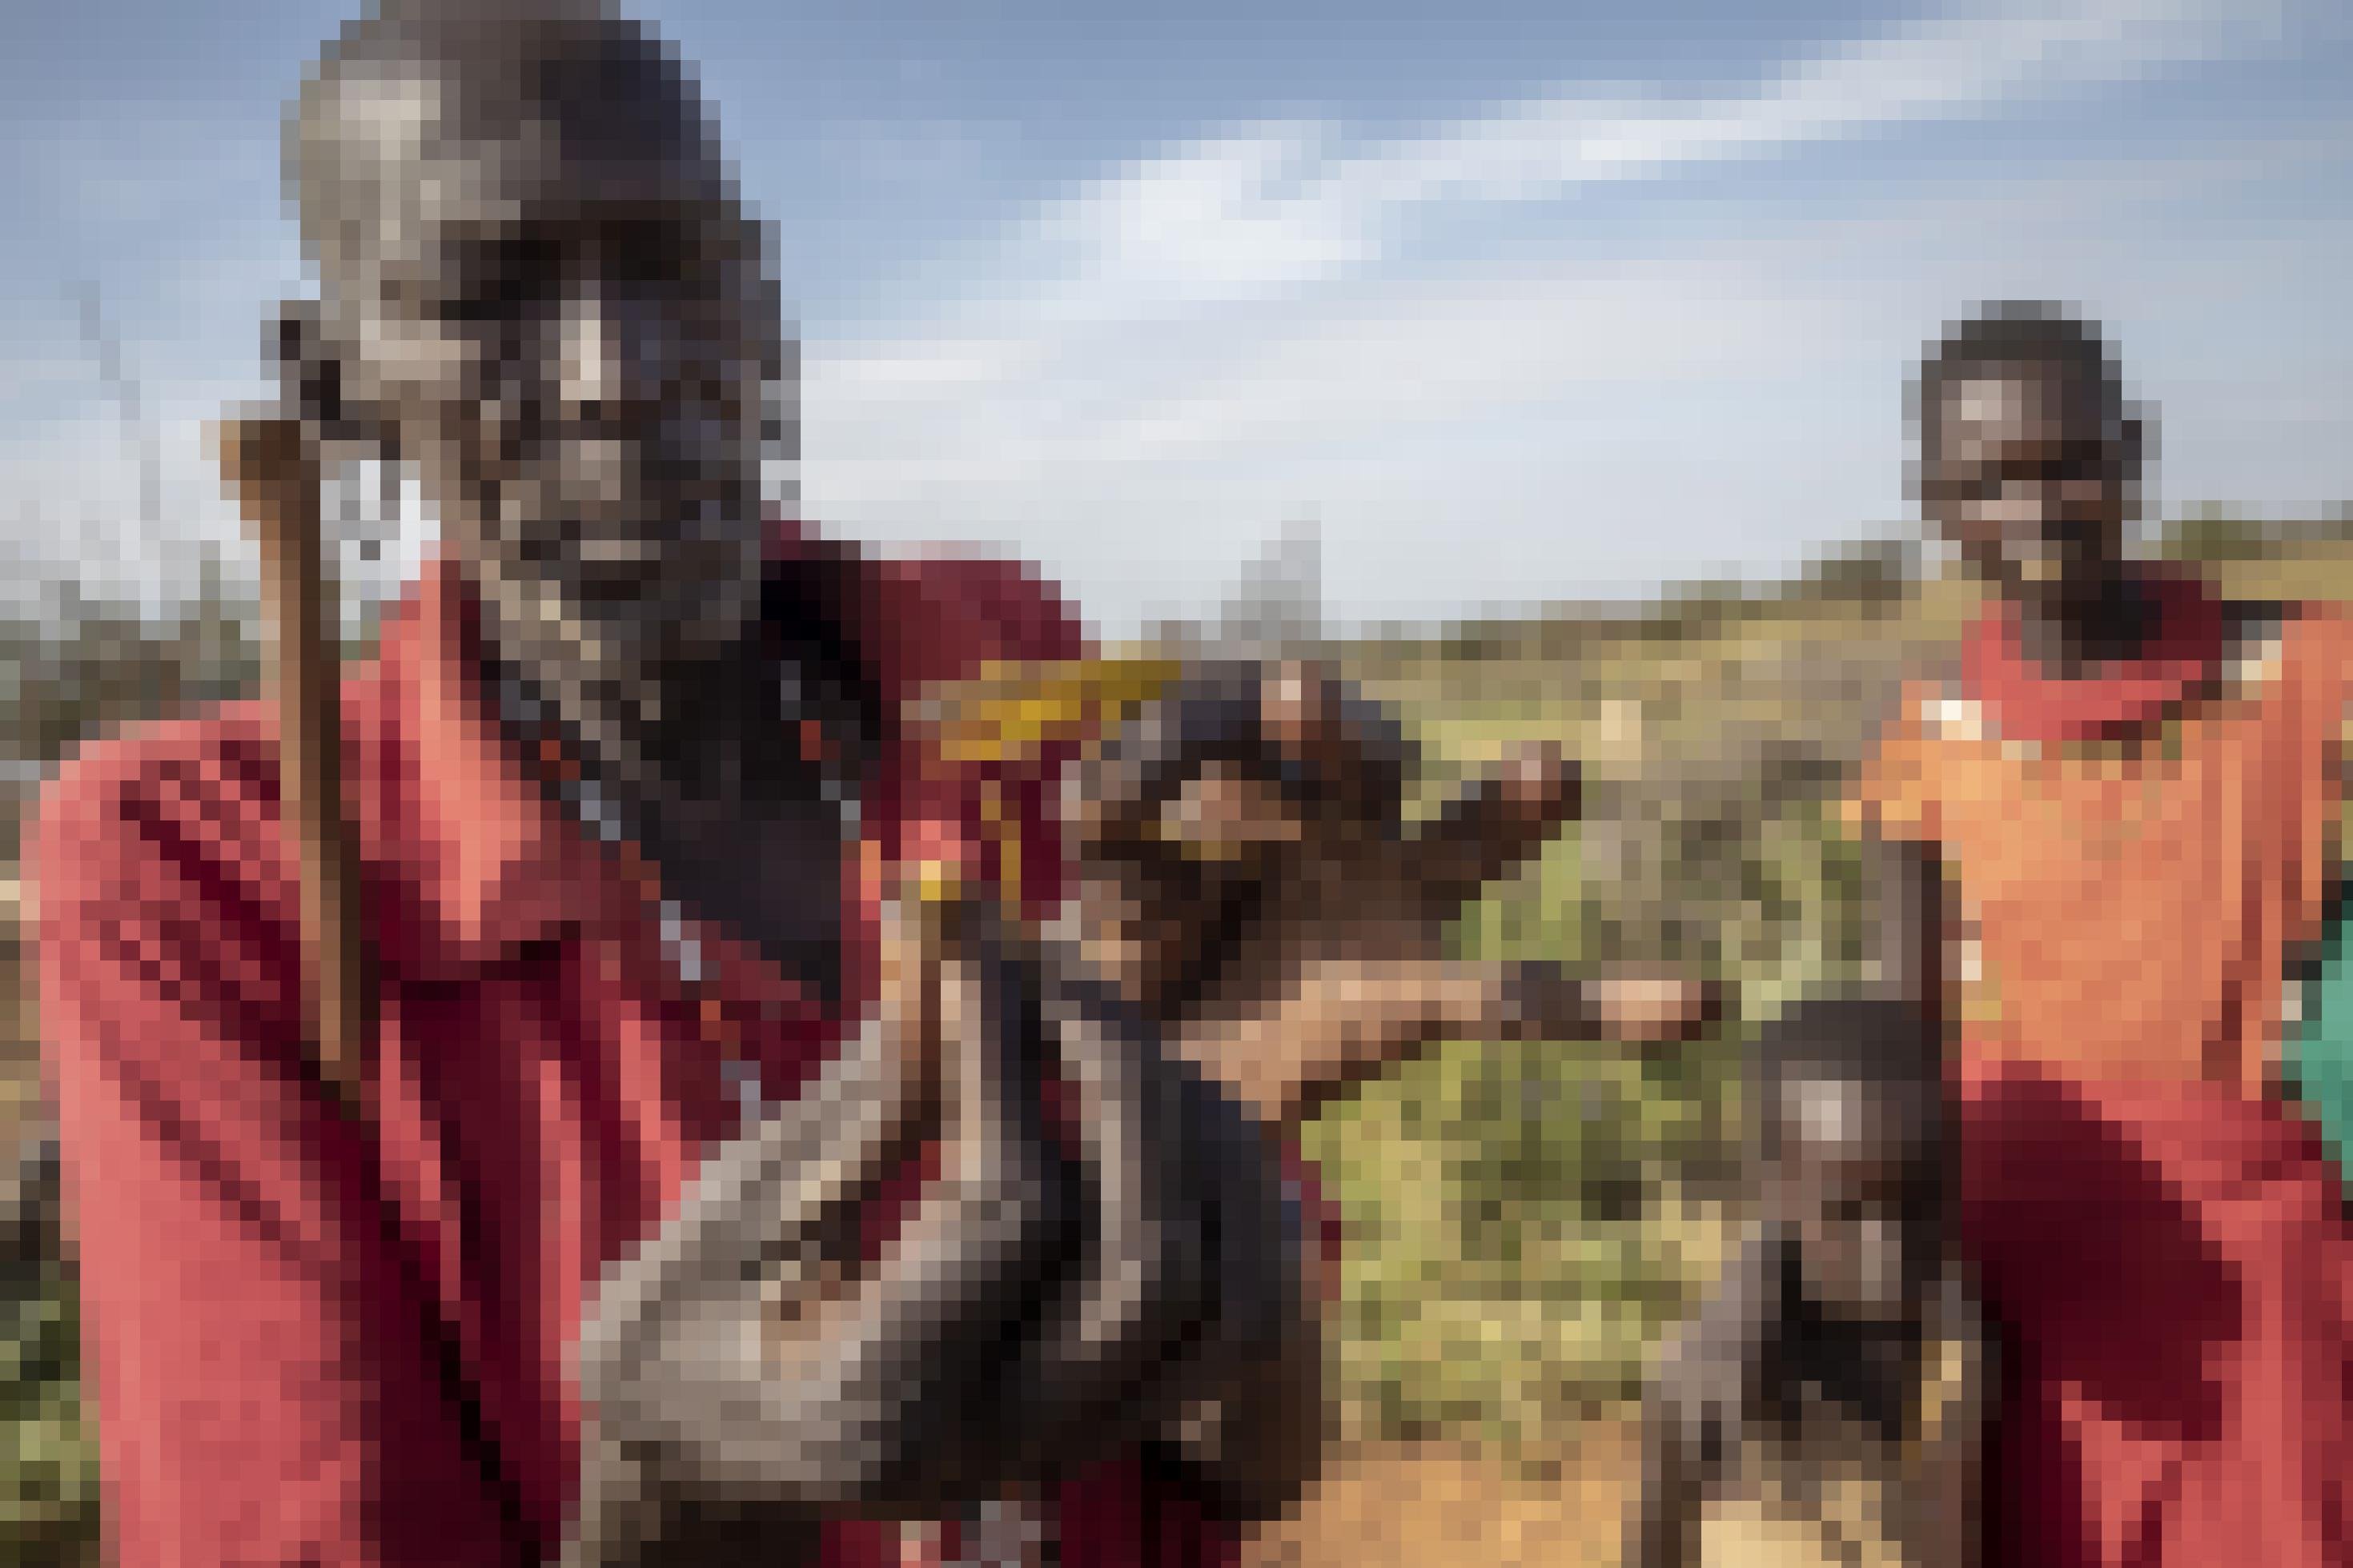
{"x":259,"y":1352}
{"x":2169,"y":1265}
{"x":2028,"y":705}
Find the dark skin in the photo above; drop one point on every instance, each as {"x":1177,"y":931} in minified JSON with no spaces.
{"x":2032,"y":472}
{"x":1830,"y":1304}
{"x":540,"y":288}
{"x":2029,"y":471}
{"x":1257,"y":887}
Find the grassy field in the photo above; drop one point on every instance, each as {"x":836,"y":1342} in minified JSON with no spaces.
{"x":1523,"y":1220}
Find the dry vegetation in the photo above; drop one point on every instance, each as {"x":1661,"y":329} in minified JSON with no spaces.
{"x":1523,"y":1220}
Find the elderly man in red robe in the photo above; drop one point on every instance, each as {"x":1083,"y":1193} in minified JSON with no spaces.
{"x":633,"y":787}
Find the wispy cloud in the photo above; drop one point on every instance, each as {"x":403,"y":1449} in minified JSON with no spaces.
{"x":1268,"y":243}
{"x":1279,"y":206}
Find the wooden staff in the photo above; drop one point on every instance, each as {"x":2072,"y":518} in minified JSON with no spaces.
{"x":272,"y":465}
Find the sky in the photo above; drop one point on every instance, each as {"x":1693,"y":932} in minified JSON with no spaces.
{"x":1506,"y":305}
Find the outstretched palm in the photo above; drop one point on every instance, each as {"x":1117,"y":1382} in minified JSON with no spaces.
{"x":1249,"y":875}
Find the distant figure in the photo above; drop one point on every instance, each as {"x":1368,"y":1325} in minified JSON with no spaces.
{"x":1828,"y":1404}
{"x":2129,"y":797}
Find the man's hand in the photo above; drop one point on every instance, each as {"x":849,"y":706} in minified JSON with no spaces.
{"x":1247,"y":876}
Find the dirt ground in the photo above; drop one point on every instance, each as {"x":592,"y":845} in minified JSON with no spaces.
{"x":1432,"y":1506}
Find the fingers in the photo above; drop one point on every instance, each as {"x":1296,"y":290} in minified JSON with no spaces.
{"x":1492,"y":827}
{"x":993,"y":1054}
{"x":1342,"y":1021}
{"x":1336,"y":1021}
{"x":1225,"y":814}
{"x":1211,"y":716}
{"x":1243,"y":782}
{"x":1243,"y":1404}
{"x":1656,"y":1008}
{"x":1351,"y":754}
{"x":1138,"y":1289}
{"x":1313,"y":752}
{"x":909,"y":1003}
{"x":931,"y":930}
{"x":888,"y":1395}
{"x":1545,"y":1001}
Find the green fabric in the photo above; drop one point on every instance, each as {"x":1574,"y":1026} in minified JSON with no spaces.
{"x":2317,"y":1057}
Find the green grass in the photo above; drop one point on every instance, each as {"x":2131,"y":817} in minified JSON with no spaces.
{"x":48,"y":1473}
{"x":1523,"y":1220}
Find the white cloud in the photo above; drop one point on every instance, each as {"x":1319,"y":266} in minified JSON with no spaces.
{"x":1277,"y":207}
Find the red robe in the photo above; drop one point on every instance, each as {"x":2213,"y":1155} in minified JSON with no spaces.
{"x":258,"y":1342}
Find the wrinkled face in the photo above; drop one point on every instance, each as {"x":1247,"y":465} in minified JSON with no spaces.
{"x":560,"y":311}
{"x":1850,"y":1185}
{"x":2029,"y":474}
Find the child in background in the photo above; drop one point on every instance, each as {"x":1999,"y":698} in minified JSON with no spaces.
{"x":1827,"y":1405}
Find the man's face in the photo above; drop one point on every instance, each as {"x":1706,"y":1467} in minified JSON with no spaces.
{"x":570,"y":334}
{"x":1849,"y":1187}
{"x":2028,"y":475}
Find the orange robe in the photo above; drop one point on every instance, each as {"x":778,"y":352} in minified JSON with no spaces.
{"x":2157,"y":1234}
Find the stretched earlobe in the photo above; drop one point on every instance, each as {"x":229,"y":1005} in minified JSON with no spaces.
{"x":312,"y":382}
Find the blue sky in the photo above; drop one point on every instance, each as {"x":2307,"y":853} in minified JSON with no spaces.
{"x":1517,"y":303}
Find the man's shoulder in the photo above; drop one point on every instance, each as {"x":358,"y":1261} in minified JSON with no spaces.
{"x":921,"y":616}
{"x":184,"y":807}
{"x":142,"y":820}
{"x":970,"y":607}
{"x":117,"y":778}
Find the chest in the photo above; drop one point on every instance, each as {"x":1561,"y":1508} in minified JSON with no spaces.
{"x":2134,"y":904}
{"x":2023,"y":820}
{"x":774,"y":880}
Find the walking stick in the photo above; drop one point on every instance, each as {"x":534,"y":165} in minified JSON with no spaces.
{"x":272,"y":465}
{"x":271,"y":462}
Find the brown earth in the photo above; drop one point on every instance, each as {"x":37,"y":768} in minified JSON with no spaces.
{"x":1435,"y":1505}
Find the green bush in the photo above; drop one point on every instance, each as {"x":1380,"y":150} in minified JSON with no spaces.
{"x":1525,"y":1221}
{"x":49,"y":1470}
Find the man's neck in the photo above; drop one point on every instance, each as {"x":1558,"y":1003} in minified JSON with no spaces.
{"x":709,"y":781}
{"x":2109,"y":623}
{"x":663,"y":733}
{"x":696,"y":761}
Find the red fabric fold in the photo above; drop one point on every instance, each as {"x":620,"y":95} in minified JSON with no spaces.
{"x":2169,"y":1264}
{"x":2027,"y":704}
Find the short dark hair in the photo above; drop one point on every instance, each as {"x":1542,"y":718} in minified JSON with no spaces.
{"x":2010,"y":336}
{"x":1886,"y":1046}
{"x":610,"y":82}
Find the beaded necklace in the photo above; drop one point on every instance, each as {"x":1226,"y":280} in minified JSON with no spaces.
{"x":1002,"y":1533}
{"x":599,"y":812}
